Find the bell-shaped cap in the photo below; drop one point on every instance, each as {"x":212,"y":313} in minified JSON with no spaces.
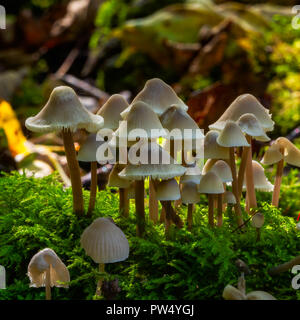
{"x":211,"y":184}
{"x":245,"y":103}
{"x":40,"y":263}
{"x":189,"y":192}
{"x":64,"y":111}
{"x":159,"y":96}
{"x":222,"y":170}
{"x":232,"y":293}
{"x":258,"y":220}
{"x":272,"y":155}
{"x":261,"y":182}
{"x":114,"y":180}
{"x":229,"y":198}
{"x":164,"y":167}
{"x":104,"y":242}
{"x":167,"y":190}
{"x":111,"y":111}
{"x":232,"y":136}
{"x":291,"y":152}
{"x":177,"y":121}
{"x":212,"y":150}
{"x":252,"y":127}
{"x":259,"y":295}
{"x":141,"y":116}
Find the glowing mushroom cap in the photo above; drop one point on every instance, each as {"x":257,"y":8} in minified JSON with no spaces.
{"x":159,"y":96}
{"x":222,"y":170}
{"x":114,"y":180}
{"x":64,"y":111}
{"x":104,"y":242}
{"x":211,"y":184}
{"x":189,"y":192}
{"x":164,"y":167}
{"x":140,"y":116}
{"x":40,"y":263}
{"x":251,"y":126}
{"x":181,"y":124}
{"x":167,"y":190}
{"x":272,"y":155}
{"x":291,"y":152}
{"x":229,"y":198}
{"x":111,"y":111}
{"x":212,"y":150}
{"x":261,"y":182}
{"x":245,"y":103}
{"x":232,"y":136}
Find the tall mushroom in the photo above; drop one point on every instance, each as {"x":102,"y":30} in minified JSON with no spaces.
{"x":105,"y":243}
{"x":64,"y":113}
{"x":45,"y":269}
{"x":190,"y":196}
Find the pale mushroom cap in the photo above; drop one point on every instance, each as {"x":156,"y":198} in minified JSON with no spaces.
{"x":111,"y":111}
{"x":251,"y":126}
{"x":260,"y":295}
{"x":166,"y":168}
{"x":158,"y":95}
{"x":245,"y":103}
{"x":229,"y":198}
{"x":258,"y":220}
{"x":212,"y":150}
{"x":179,"y":122}
{"x":114,"y":180}
{"x":232,"y":136}
{"x":40,"y":263}
{"x":232,"y":293}
{"x":261,"y":182}
{"x":272,"y":155}
{"x":211,"y":184}
{"x":189,"y":192}
{"x":222,"y":169}
{"x":141,"y":116}
{"x":104,"y":242}
{"x":167,"y":190}
{"x":291,"y":152}
{"x":64,"y":111}
{"x":192,"y":174}
{"x":284,"y":143}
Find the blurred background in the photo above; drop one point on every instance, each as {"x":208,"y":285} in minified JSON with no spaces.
{"x":209,"y":51}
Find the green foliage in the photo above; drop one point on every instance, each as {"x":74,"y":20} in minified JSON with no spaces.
{"x":37,"y":213}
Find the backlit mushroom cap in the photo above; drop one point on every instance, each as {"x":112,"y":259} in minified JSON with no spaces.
{"x":114,"y":180}
{"x":272,"y":155}
{"x":111,"y":111}
{"x":229,"y":198}
{"x":245,"y":103}
{"x":183,"y":126}
{"x":212,"y":150}
{"x":232,"y":136}
{"x":232,"y":293}
{"x":211,"y":184}
{"x":164,"y":168}
{"x":64,"y":111}
{"x":251,"y":126}
{"x":258,"y":220}
{"x":261,"y":182}
{"x":159,"y":96}
{"x":291,"y":152}
{"x":40,"y":263}
{"x":259,"y":295}
{"x":141,"y":116}
{"x":167,"y":190}
{"x":189,"y":192}
{"x":104,"y":242}
{"x":222,"y":170}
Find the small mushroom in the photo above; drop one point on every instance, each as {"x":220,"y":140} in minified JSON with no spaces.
{"x":257,"y":222}
{"x":45,"y":269}
{"x":190,"y":196}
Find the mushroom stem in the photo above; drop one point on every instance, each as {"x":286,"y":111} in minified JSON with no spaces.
{"x":74,"y":171}
{"x":190,"y":215}
{"x":140,"y":207}
{"x":242,"y":283}
{"x":242,"y":170}
{"x":220,"y":210}
{"x":100,"y":281}
{"x":237,"y":206}
{"x":162,"y":215}
{"x":168,"y":208}
{"x":172,"y":214}
{"x":153,"y":202}
{"x":123,"y":202}
{"x":48,"y":284}
{"x":278,"y":179}
{"x":257,"y":234}
{"x":211,"y":210}
{"x":249,"y":179}
{"x":285,"y":266}
{"x":93,"y":190}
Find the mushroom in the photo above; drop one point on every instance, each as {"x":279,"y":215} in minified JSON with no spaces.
{"x":244,"y":270}
{"x":212,"y":150}
{"x":257,"y":222}
{"x":211,"y":184}
{"x":231,"y":137}
{"x":64,"y":113}
{"x":45,"y":269}
{"x":105,"y":243}
{"x":190,"y":196}
{"x":232,"y":293}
